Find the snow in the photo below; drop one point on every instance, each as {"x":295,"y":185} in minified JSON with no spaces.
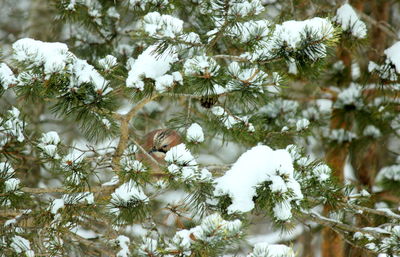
{"x":180,"y":155}
{"x":195,"y":133}
{"x":53,"y":56}
{"x":290,"y":36}
{"x":218,"y":89}
{"x":201,"y":65}
{"x":50,"y":137}
{"x":302,"y":124}
{"x":164,"y":82}
{"x":253,"y":78}
{"x":131,"y":165}
{"x":390,"y":173}
{"x":71,"y":5}
{"x":85,"y":73}
{"x":6,"y":168}
{"x":348,"y":18}
{"x":322,"y":172}
{"x":258,"y":165}
{"x":355,"y":71}
{"x":212,"y":229}
{"x":341,"y":135}
{"x":245,"y":8}
{"x":393,"y":55}
{"x":372,"y":131}
{"x":282,"y":210}
{"x":157,"y":25}
{"x":276,"y":236}
{"x":113,"y":13}
{"x":183,"y":165}
{"x":229,"y":121}
{"x":177,"y":77}
{"x":74,"y":158}
{"x":128,"y":193}
{"x":247,"y":31}
{"x":123,"y":242}
{"x":291,"y":31}
{"x":85,"y":233}
{"x":56,"y":205}
{"x":11,"y":184}
{"x":22,"y":245}
{"x":190,"y":38}
{"x":13,"y":125}
{"x":271,"y":250}
{"x":351,"y":96}
{"x":149,"y":65}
{"x":7,"y":77}
{"x":108,"y":62}
{"x":48,"y":144}
{"x":149,"y":247}
{"x":83,"y":197}
{"x":113,"y":181}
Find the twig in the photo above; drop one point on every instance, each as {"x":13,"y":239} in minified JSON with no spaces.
{"x":146,"y":153}
{"x":65,"y":190}
{"x":389,"y":214}
{"x":337,"y":225}
{"x":124,"y":131}
{"x":374,"y":22}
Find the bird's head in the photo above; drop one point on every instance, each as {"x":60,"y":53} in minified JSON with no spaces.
{"x":162,"y":140}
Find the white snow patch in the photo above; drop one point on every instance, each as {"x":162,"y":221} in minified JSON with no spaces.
{"x":393,"y":55}
{"x":7,"y":77}
{"x":149,"y":65}
{"x":22,"y":245}
{"x":108,"y":62}
{"x":258,"y":165}
{"x":271,"y":250}
{"x":348,"y":18}
{"x":195,"y":133}
{"x":56,"y":205}
{"x":158,"y":25}
{"x":53,"y":56}
{"x":123,"y":242}
{"x":302,"y":124}
{"x":127,"y":193}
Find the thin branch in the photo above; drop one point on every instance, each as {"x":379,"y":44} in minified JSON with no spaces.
{"x":337,"y":225}
{"x":374,"y":22}
{"x":124,"y":130}
{"x":387,"y":213}
{"x":65,"y":190}
{"x":147,"y":154}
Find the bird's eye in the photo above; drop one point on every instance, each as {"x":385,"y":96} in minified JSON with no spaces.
{"x":164,"y":146}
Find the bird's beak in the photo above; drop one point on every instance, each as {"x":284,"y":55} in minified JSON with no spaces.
{"x":153,"y":150}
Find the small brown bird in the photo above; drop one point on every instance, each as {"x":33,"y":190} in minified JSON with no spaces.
{"x":157,"y":143}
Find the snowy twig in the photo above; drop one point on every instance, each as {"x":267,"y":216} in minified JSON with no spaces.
{"x":337,"y":225}
{"x":387,"y":213}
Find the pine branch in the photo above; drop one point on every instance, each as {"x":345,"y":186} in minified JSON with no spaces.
{"x":124,"y":131}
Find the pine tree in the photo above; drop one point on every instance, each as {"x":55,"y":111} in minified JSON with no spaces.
{"x":200,"y":128}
